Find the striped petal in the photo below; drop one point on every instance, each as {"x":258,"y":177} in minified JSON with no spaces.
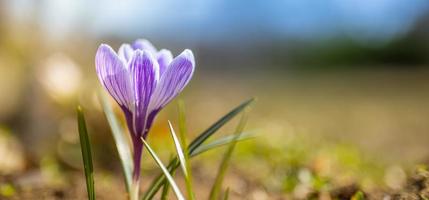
{"x":125,"y":52}
{"x":174,"y":79}
{"x":145,"y":75}
{"x":143,"y":44}
{"x":164,"y":58}
{"x":114,"y":76}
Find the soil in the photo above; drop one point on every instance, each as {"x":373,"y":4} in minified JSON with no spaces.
{"x":416,"y":188}
{"x":33,"y":187}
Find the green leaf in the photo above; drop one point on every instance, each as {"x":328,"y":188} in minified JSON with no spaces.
{"x":182,"y":128}
{"x":7,"y":190}
{"x":165,"y":171}
{"x":181,"y":155}
{"x":120,"y":138}
{"x":166,"y":188}
{"x":179,"y":149}
{"x":216,"y":126}
{"x":226,"y":196}
{"x":359,"y":195}
{"x":183,"y":162}
{"x":159,"y":180}
{"x":214,"y":193}
{"x":86,"y":154}
{"x":221,"y":142}
{"x":166,"y":185}
{"x":212,"y":145}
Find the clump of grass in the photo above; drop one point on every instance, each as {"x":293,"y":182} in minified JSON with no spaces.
{"x":184,"y":152}
{"x":86,"y":154}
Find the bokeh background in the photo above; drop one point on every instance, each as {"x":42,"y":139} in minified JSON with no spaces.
{"x":342,"y":89}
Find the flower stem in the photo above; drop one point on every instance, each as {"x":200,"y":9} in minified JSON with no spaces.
{"x":134,"y":190}
{"x":135,"y":185}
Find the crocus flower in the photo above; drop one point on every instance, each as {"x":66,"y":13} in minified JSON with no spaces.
{"x":142,"y":80}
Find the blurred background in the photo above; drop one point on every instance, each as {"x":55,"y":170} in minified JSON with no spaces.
{"x":342,"y":89}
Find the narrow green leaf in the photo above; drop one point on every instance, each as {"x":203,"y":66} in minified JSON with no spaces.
{"x":183,"y":131}
{"x":181,"y":156}
{"x":359,"y":195}
{"x":214,"y":193}
{"x":226,"y":196}
{"x":166,"y":187}
{"x":212,"y":145}
{"x":159,"y":180}
{"x":120,"y":138}
{"x":179,"y":149}
{"x":165,"y":171}
{"x":85,"y":146}
{"x":216,"y":126}
{"x":221,"y":142}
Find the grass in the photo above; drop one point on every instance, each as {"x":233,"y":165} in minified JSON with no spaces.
{"x":86,"y":154}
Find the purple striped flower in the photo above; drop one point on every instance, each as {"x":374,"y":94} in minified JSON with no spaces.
{"x":142,"y":80}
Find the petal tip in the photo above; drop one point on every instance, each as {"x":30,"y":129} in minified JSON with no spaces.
{"x":143,"y":41}
{"x":187,"y":54}
{"x":143,"y":44}
{"x":144,"y":53}
{"x":124,"y":46}
{"x":165,"y":52}
{"x":104,"y":46}
{"x":104,"y":49}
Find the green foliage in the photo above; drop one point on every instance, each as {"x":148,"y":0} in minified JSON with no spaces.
{"x":358,"y":196}
{"x":121,"y":141}
{"x":166,"y":173}
{"x":166,"y":187}
{"x":324,"y":162}
{"x":7,"y":190}
{"x":184,"y":162}
{"x":222,"y":141}
{"x":214,"y":193}
{"x":183,"y":132}
{"x":179,"y":150}
{"x":86,"y":154}
{"x":197,"y":142}
{"x":216,"y":126}
{"x":226,"y":195}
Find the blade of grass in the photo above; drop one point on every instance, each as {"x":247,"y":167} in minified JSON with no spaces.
{"x":173,"y":164}
{"x":226,"y":196}
{"x":183,"y":162}
{"x":181,"y":156}
{"x":214,"y":193}
{"x":166,"y":187}
{"x":212,"y":145}
{"x":183,"y":131}
{"x":216,"y":126}
{"x":121,"y":141}
{"x":221,"y":142}
{"x":165,"y":171}
{"x":165,"y":190}
{"x":85,"y":146}
{"x":179,"y":149}
{"x":359,"y":195}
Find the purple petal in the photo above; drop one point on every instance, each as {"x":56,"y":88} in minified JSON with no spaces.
{"x":174,"y":79}
{"x":143,"y":44}
{"x":114,"y":76}
{"x":164,"y":58}
{"x":145,"y":75}
{"x":125,"y":52}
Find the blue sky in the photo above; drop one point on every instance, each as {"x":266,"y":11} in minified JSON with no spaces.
{"x":219,"y":19}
